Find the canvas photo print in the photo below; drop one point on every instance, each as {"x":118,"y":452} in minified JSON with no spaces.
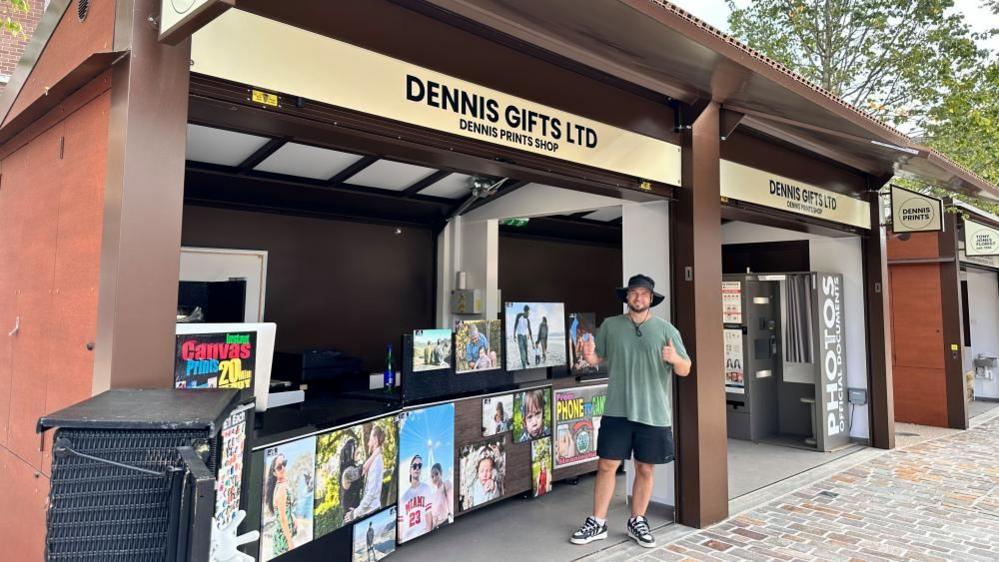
{"x":286,"y":502}
{"x":431,"y":349}
{"x":535,"y":335}
{"x":497,"y":414}
{"x":477,"y":345}
{"x":355,"y":473}
{"x":532,"y":414}
{"x":374,"y":537}
{"x":541,"y":466}
{"x":582,"y":331}
{"x":426,"y":470}
{"x":482,"y":472}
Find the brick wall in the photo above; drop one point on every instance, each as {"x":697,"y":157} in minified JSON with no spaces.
{"x":12,"y":46}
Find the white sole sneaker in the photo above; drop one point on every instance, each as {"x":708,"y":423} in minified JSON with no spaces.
{"x":588,"y":540}
{"x":641,"y":542}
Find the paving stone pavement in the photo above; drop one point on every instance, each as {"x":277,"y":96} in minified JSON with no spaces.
{"x":937,"y":500}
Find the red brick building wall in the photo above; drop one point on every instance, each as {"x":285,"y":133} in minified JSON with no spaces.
{"x":12,"y":46}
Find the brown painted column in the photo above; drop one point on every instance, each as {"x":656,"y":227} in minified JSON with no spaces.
{"x":877,"y":302}
{"x":950,"y":303}
{"x":143,"y":204}
{"x":702,"y":440}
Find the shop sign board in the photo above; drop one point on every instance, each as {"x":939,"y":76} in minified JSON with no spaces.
{"x":180,"y":18}
{"x":984,"y":261}
{"x":915,"y":212}
{"x":578,"y":412}
{"x":759,"y":187}
{"x":233,"y":355}
{"x":980,"y":239}
{"x":267,"y":54}
{"x":833,"y":429}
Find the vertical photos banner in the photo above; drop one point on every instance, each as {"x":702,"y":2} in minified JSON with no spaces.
{"x":577,"y":423}
{"x":286,"y":510}
{"x":477,"y":345}
{"x":355,"y":473}
{"x":426,"y":470}
{"x":541,"y":466}
{"x":582,"y":330}
{"x":374,"y":537}
{"x":215,"y":360}
{"x":532,"y":414}
{"x":535,"y":335}
{"x":735,"y":380}
{"x":497,"y":414}
{"x":431,"y":350}
{"x":229,"y":481}
{"x":482,"y":472}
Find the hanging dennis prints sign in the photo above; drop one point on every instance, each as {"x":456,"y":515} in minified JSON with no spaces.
{"x":763,"y":188}
{"x":249,"y":49}
{"x":915,"y":212}
{"x":980,"y":239}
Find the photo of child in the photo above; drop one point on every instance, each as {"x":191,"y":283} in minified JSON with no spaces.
{"x":477,"y":344}
{"x":532,"y":414}
{"x":483,"y":468}
{"x":541,"y":466}
{"x":431,"y":349}
{"x":497,"y":414}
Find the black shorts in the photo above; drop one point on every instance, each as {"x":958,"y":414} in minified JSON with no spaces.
{"x":619,"y":437}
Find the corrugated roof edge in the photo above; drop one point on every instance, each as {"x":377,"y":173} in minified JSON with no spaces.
{"x":774,"y":65}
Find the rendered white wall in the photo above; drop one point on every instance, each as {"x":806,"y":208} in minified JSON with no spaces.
{"x":983,"y":306}
{"x":831,"y":255}
{"x":645,"y":249}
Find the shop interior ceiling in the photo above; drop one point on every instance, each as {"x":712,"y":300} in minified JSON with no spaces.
{"x":253,"y":172}
{"x":669,"y":52}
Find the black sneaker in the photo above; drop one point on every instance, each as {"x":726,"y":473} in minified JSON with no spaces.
{"x":638,"y":529}
{"x":589,"y":532}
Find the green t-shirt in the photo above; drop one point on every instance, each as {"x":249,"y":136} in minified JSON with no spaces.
{"x":641,"y":383}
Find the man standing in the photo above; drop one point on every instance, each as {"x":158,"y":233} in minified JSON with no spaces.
{"x":416,"y":506}
{"x":374,"y":471}
{"x":642,"y":352}
{"x":371,"y":541}
{"x":522,"y":328}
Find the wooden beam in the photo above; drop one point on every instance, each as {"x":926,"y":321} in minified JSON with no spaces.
{"x":260,"y":155}
{"x":351,"y":170}
{"x":425,"y":182}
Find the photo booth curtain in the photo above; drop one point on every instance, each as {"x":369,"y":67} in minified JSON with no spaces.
{"x":798,"y":333}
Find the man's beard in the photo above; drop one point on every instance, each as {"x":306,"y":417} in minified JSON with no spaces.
{"x":637,"y":310}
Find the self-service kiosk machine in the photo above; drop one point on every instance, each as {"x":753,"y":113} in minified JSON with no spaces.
{"x":785,"y":351}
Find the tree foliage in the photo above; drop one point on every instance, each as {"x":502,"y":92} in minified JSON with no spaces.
{"x":9,"y":24}
{"x":889,"y":57}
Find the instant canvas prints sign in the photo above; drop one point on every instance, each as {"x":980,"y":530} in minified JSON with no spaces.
{"x":355,"y":473}
{"x":431,"y":349}
{"x":735,"y":380}
{"x":374,"y":537}
{"x":497,"y":414}
{"x":763,"y":188}
{"x":482,"y":472}
{"x":541,"y":466}
{"x":582,"y":330}
{"x":234,"y":355}
{"x":477,"y":344}
{"x":426,"y":470}
{"x":286,"y":501}
{"x":532,"y":414}
{"x":535,"y":335}
{"x":915,"y":212}
{"x":577,"y":423}
{"x":980,"y":239}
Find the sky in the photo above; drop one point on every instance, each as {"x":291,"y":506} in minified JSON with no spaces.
{"x":715,"y":12}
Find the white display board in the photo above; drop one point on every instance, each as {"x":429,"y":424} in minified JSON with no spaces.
{"x":224,"y":264}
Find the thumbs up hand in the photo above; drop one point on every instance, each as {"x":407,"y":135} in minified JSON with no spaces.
{"x":669,"y":353}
